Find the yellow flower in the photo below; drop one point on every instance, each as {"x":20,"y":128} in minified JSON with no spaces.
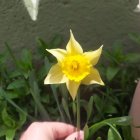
{"x":74,"y":67}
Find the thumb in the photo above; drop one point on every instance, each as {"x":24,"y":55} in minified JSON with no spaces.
{"x":60,"y":130}
{"x":74,"y":135}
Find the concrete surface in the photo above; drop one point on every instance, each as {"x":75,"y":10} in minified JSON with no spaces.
{"x":94,"y":22}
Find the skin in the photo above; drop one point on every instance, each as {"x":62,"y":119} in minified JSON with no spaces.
{"x":135,"y":113}
{"x":51,"y":131}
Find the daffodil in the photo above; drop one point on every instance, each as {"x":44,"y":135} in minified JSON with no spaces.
{"x":74,"y":67}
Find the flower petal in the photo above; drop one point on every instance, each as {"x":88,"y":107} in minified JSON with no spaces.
{"x":72,"y":87}
{"x":94,"y":56}
{"x":55,"y":75}
{"x":73,"y":47}
{"x":58,"y":53}
{"x":93,"y":78}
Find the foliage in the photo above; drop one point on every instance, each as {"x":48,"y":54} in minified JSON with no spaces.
{"x":24,"y":98}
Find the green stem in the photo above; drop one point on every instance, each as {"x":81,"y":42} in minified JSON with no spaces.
{"x":78,"y":116}
{"x":57,"y":102}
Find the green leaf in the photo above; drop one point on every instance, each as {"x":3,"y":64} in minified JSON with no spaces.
{"x":133,"y":58}
{"x":90,"y":107}
{"x":4,"y":95}
{"x":22,"y":119}
{"x":56,"y":41}
{"x":111,"y":72}
{"x":86,"y":132}
{"x":3,"y":130}
{"x":11,"y":54}
{"x":47,"y":64}
{"x":44,"y":69}
{"x":42,"y":46}
{"x":113,"y":134}
{"x":10,"y":133}
{"x":15,"y":74}
{"x":12,"y":94}
{"x":98,"y":103}
{"x":66,"y":108}
{"x":26,"y":60}
{"x":135,"y":37}
{"x":8,"y":121}
{"x":126,"y":131}
{"x":122,"y":121}
{"x":3,"y":57}
{"x":35,"y":92}
{"x":41,"y":73}
{"x":17,"y":84}
{"x":84,"y":104}
{"x":110,"y":57}
{"x":54,"y":91}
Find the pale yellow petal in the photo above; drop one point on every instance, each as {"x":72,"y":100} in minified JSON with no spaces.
{"x":55,"y":75}
{"x":73,"y":47}
{"x":93,"y":78}
{"x":93,"y":56}
{"x":72,"y":87}
{"x":58,"y":53}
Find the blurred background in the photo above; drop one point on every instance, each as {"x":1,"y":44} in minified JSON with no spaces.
{"x":93,"y":22}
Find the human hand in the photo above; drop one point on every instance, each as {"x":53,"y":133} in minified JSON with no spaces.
{"x":50,"y":131}
{"x":135,"y":113}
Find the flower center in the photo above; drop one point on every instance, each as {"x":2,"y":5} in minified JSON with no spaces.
{"x":76,"y":67}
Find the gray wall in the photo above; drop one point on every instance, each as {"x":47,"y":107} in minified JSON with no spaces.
{"x":94,"y":22}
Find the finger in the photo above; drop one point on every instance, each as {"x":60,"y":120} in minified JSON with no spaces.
{"x":75,"y":135}
{"x":60,"y":130}
{"x":35,"y":131}
{"x":47,"y":130}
